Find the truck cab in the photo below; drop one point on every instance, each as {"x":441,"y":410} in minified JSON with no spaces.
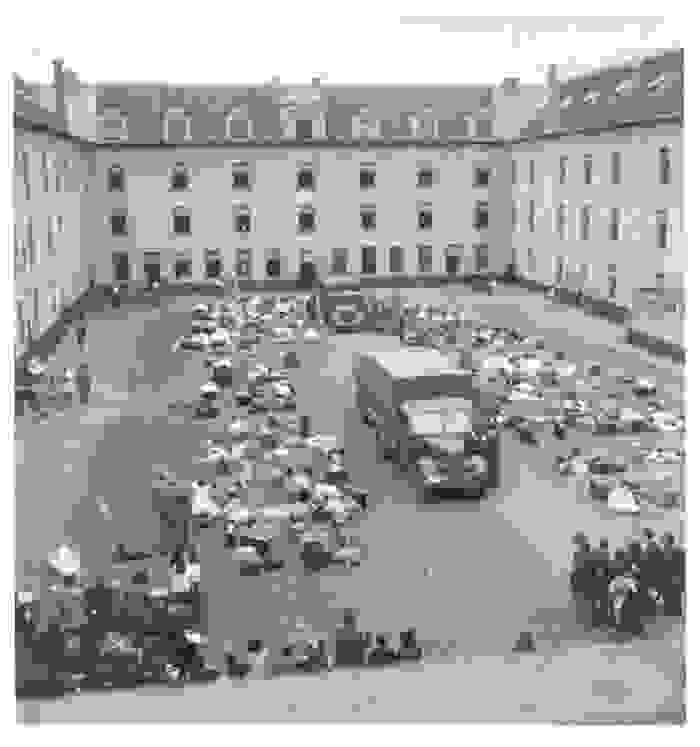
{"x":450,"y":448}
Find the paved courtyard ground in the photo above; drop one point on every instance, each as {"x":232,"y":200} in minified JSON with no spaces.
{"x":474,"y":575}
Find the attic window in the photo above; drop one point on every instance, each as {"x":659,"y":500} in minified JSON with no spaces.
{"x":114,"y":125}
{"x":657,"y":84}
{"x":623,"y":88}
{"x":591,"y":97}
{"x":566,"y":102}
{"x":238,"y":125}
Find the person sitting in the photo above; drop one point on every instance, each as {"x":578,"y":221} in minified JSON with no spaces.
{"x":381,"y":654}
{"x":409,"y":648}
{"x":350,"y":644}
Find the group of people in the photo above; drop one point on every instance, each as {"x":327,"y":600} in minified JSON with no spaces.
{"x":622,"y":589}
{"x":345,"y":647}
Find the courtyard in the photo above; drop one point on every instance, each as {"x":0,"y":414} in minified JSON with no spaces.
{"x":469,"y":575}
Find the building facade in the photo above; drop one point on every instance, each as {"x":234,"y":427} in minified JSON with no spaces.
{"x":571,"y":183}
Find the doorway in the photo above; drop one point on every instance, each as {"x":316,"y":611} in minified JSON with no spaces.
{"x":452,"y":263}
{"x":151,"y":267}
{"x":369,"y":260}
{"x":122,"y":269}
{"x":214,"y":265}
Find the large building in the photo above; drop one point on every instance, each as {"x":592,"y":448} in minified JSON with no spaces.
{"x":192,"y":184}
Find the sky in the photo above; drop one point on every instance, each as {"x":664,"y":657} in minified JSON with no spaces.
{"x":359,"y":42}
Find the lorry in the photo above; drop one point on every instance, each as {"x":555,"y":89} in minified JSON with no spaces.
{"x":354,"y":311}
{"x":430,"y":420}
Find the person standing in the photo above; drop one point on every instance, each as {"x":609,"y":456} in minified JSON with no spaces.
{"x":600,"y":581}
{"x":673,"y":585}
{"x":84,"y":383}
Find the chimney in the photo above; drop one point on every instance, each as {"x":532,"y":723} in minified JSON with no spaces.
{"x":59,"y":85}
{"x":316,"y":81}
{"x":552,"y":77}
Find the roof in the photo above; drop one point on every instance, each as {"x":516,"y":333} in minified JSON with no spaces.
{"x":145,"y":105}
{"x":412,"y":363}
{"x":645,"y":91}
{"x":416,"y":406}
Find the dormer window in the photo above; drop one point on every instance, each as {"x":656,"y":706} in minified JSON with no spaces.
{"x":177,"y":126}
{"x":657,"y":84}
{"x":364,"y":125}
{"x":114,"y":125}
{"x":624,"y":87}
{"x":591,"y":97}
{"x":239,"y":126}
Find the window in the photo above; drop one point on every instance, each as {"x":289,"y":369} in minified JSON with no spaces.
{"x":531,"y":217}
{"x":339,"y":261}
{"x":273,"y":267}
{"x":243,"y":263}
{"x":566,"y":101}
{"x":585,"y":270}
{"x":559,"y":269}
{"x":240,"y":175}
{"x":662,"y":229}
{"x":182,"y":221}
{"x":563,"y":169}
{"x":588,"y":169}
{"x":113,"y":126}
{"x":213,"y":265}
{"x":26,"y":172}
{"x":481,"y":176}
{"x":115,"y":178}
{"x":60,"y":175}
{"x":304,"y":129}
{"x":425,"y":218}
{"x":425,"y":177}
{"x":413,"y":125}
{"x":30,"y":250}
{"x":514,"y":215}
{"x":368,"y":218}
{"x":532,"y":171}
{"x":612,"y":286}
{"x":585,"y":223}
{"x":614,"y":224}
{"x":45,"y":166}
{"x":21,"y":327}
{"x":665,"y":165}
{"x":481,"y":257}
{"x":242,"y":219}
{"x":179,"y":177}
{"x":306,"y":220}
{"x":118,"y":223}
{"x":616,"y":167}
{"x":305,"y":179}
{"x":425,"y":258}
{"x":396,"y":263}
{"x":514,"y":171}
{"x":481,"y":215}
{"x":561,"y":220}
{"x":368,"y":177}
{"x":51,"y":235}
{"x":369,"y":260}
{"x":591,"y":97}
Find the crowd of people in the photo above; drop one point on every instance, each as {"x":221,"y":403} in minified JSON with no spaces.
{"x":621,"y":589}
